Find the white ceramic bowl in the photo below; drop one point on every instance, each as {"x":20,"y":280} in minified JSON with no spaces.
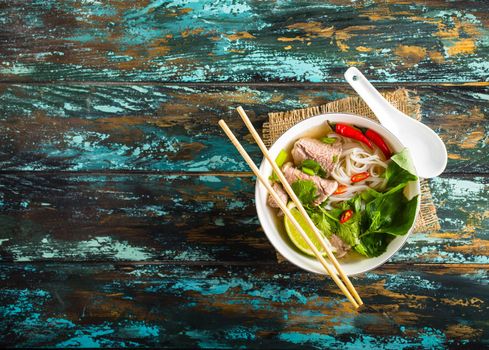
{"x":353,"y":263}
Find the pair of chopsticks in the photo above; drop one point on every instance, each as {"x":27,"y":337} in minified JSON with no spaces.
{"x":346,"y":287}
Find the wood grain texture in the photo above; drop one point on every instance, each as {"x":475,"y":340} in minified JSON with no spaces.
{"x":106,"y":305}
{"x":193,"y":220}
{"x":127,"y":219}
{"x":174,"y":128}
{"x":243,"y":41}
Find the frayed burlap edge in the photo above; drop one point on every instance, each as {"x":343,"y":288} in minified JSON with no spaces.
{"x":407,"y":101}
{"x":278,"y":122}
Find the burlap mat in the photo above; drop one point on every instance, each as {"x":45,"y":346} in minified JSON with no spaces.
{"x":405,"y":100}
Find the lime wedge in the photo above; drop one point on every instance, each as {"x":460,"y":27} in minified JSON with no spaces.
{"x":295,"y":236}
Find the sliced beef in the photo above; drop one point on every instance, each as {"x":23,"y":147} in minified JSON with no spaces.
{"x":324,"y":154}
{"x":281,"y":193}
{"x":324,"y":187}
{"x":341,"y":247}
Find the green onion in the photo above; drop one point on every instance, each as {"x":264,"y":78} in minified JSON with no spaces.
{"x":308,"y":171}
{"x":280,"y":160}
{"x":335,"y":158}
{"x":328,"y":140}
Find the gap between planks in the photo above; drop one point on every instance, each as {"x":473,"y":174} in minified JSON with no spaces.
{"x":378,"y":84}
{"x":286,"y":267}
{"x":177,"y":173}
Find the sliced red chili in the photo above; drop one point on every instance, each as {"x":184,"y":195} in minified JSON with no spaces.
{"x":341,"y":189}
{"x":379,"y":141}
{"x":345,"y":216}
{"x":353,"y":133}
{"x":359,"y":177}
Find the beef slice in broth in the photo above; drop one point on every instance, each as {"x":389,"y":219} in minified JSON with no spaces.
{"x":325,"y":188}
{"x":281,"y":193}
{"x":324,"y":154}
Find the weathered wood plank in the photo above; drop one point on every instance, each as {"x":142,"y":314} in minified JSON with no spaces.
{"x":243,"y":40}
{"x":258,"y":307}
{"x":174,"y":128}
{"x":129,"y":217}
{"x":193,"y":219}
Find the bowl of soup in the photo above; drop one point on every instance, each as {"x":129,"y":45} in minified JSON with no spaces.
{"x":357,"y":183}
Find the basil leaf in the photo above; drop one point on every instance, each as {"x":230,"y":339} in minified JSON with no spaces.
{"x":369,"y":194}
{"x":400,"y":169}
{"x":391,"y":213}
{"x":356,"y":203}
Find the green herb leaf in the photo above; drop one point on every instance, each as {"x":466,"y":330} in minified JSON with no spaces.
{"x":349,"y":231}
{"x":305,"y":190}
{"x":324,"y":223}
{"x":369,"y":194}
{"x":333,"y":214}
{"x":313,"y":166}
{"x":356,"y":203}
{"x":328,"y":140}
{"x":373,"y":245}
{"x":391,"y":213}
{"x":385,"y":215}
{"x":335,"y":158}
{"x":400,"y":169}
{"x":345,"y":205}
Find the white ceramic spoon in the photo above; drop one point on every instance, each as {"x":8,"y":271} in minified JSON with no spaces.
{"x":427,"y":149}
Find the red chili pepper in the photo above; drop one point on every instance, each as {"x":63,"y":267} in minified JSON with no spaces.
{"x":345,"y":216}
{"x":351,"y":132}
{"x":379,"y":141}
{"x":341,"y":189}
{"x":359,"y":177}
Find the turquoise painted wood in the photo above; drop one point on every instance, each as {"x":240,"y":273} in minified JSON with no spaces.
{"x":174,"y":128}
{"x":264,"y":306}
{"x":244,"y":40}
{"x":127,"y":219}
{"x":202,"y":218}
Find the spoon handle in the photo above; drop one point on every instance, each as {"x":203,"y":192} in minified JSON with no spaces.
{"x":377,"y":103}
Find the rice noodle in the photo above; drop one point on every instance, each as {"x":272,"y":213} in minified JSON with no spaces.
{"x":354,"y":159}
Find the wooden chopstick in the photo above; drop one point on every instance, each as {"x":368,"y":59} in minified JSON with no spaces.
{"x":286,"y":211}
{"x":324,"y":243}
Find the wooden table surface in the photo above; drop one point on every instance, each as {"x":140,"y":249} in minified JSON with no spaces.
{"x":127,"y":218}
